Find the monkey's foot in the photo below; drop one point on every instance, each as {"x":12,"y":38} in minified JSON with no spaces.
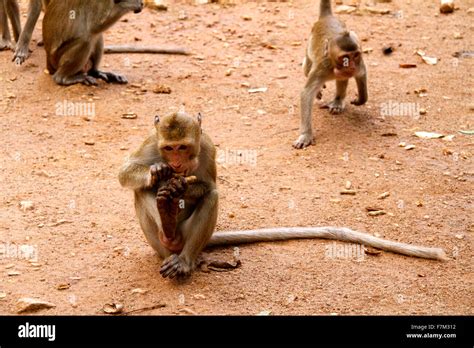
{"x":72,"y":80}
{"x":174,"y":266}
{"x":358,"y":102}
{"x":335,"y":107}
{"x":303,"y":141}
{"x":21,"y":54}
{"x":108,"y":76}
{"x":5,"y":45}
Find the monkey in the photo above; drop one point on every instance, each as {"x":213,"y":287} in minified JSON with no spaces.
{"x":178,"y":218}
{"x":72,"y":35}
{"x":9,"y":10}
{"x":333,"y":53}
{"x":34,"y":10}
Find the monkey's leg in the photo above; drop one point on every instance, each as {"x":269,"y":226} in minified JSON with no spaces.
{"x":361,"y":89}
{"x":5,"y":40}
{"x":13,"y":12}
{"x":22,"y":51}
{"x":71,"y":64}
{"x":307,"y":64}
{"x":312,"y":88}
{"x":150,"y":221}
{"x":196,"y":232}
{"x":337,"y":105}
{"x":96,"y":57}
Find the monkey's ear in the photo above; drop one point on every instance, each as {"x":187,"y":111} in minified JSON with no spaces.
{"x":157,"y":119}
{"x":199,"y":118}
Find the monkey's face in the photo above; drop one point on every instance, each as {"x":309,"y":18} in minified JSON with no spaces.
{"x":182,"y":157}
{"x":179,"y":141}
{"x":346,"y":64}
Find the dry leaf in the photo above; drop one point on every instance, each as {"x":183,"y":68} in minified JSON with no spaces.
{"x":129,"y":116}
{"x":139,"y":291}
{"x":428,"y":135}
{"x":258,"y":90}
{"x":113,"y":308}
{"x":407,"y":65}
{"x":64,"y":286}
{"x":27,"y":304}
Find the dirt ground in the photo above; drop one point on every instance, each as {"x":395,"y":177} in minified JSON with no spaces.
{"x":90,"y":249}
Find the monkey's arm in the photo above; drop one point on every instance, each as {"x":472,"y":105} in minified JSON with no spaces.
{"x":22,"y":50}
{"x":361,"y":81}
{"x":144,"y":167}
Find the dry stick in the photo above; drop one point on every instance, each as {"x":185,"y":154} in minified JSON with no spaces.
{"x":161,"y":305}
{"x":151,"y":49}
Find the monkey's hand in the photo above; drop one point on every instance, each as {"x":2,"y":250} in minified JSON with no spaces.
{"x":158,"y":172}
{"x":173,"y":189}
{"x":303,"y":141}
{"x":175,"y":266}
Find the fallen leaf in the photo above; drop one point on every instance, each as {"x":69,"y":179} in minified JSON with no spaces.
{"x":63,"y":286}
{"x":428,"y":135}
{"x":467,"y":132}
{"x":258,"y":90}
{"x":113,"y":308}
{"x":372,"y":251}
{"x":27,"y":304}
{"x":139,"y":291}
{"x":407,"y":65}
{"x":129,"y":116}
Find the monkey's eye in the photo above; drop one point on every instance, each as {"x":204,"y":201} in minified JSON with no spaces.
{"x":183,"y":147}
{"x":356,"y":55}
{"x":168,"y":148}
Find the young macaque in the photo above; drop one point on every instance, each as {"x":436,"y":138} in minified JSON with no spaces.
{"x":72,"y":35}
{"x":177,"y":215}
{"x":9,"y":11}
{"x":333,"y":53}
{"x":173,"y":176}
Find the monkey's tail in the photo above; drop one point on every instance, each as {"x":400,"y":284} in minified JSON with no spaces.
{"x":141,"y":49}
{"x":325,"y":8}
{"x":327,"y":232}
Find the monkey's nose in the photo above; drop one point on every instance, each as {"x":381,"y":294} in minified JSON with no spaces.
{"x":138,"y":10}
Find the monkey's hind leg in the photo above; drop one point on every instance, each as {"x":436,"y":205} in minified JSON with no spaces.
{"x":96,"y":57}
{"x":72,"y":61}
{"x":337,"y":105}
{"x":196,"y":232}
{"x":13,"y":12}
{"x":5,"y":40}
{"x":150,"y":221}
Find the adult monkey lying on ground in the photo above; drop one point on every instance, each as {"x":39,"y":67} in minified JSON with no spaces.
{"x":178,"y":214}
{"x":9,"y":10}
{"x":34,"y":10}
{"x":333,"y":53}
